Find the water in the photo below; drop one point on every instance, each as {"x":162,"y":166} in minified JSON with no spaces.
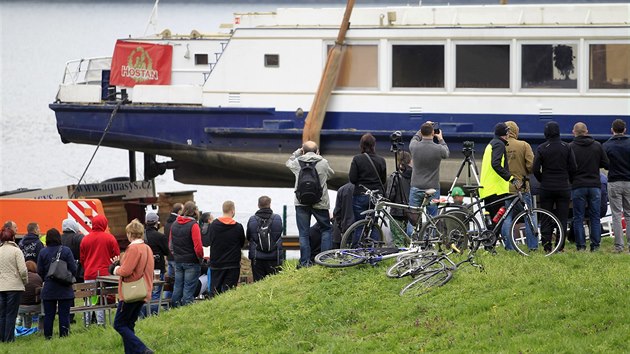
{"x":37,"y":39}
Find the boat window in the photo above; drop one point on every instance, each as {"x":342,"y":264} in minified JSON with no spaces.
{"x":272,"y":60}
{"x":418,"y":66}
{"x":483,"y":66}
{"x":359,"y":67}
{"x":549,"y":66}
{"x":201,"y":59}
{"x":609,"y":66}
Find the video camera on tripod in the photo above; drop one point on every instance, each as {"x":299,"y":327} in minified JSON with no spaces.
{"x":468,"y":148}
{"x":396,"y":140}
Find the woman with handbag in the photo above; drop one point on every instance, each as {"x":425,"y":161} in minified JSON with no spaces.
{"x":134,"y":287}
{"x":366,"y":169}
{"x":56,"y":265}
{"x":13,"y":277}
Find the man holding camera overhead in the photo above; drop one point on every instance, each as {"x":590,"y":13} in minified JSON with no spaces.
{"x":426,"y":157}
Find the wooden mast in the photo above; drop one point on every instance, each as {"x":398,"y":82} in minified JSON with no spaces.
{"x":315,"y":118}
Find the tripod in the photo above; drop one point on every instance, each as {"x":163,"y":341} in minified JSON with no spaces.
{"x":396,"y":186}
{"x":471,"y":167}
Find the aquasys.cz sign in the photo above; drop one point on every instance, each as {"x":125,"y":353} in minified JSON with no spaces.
{"x":135,"y":63}
{"x":129,"y":190}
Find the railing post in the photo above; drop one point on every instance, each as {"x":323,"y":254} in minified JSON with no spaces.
{"x":284,"y":220}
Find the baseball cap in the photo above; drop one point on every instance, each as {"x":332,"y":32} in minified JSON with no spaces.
{"x":457,"y":192}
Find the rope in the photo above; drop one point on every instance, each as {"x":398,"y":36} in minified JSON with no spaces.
{"x":109,"y":124}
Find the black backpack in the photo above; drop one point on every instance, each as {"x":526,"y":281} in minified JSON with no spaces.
{"x":265,"y":242}
{"x":308,"y":191}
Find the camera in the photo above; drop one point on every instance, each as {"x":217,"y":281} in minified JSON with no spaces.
{"x":396,"y":140}
{"x":468,"y":148}
{"x":436,"y":127}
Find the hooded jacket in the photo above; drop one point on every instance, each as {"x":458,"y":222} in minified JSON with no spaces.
{"x":185,"y":240}
{"x":520,"y":155}
{"x":275,"y":233}
{"x":589,"y":157}
{"x":323,"y":170}
{"x":97,"y":248}
{"x":618,"y":150}
{"x":227,"y":239}
{"x":31,"y":246}
{"x":554,"y":164}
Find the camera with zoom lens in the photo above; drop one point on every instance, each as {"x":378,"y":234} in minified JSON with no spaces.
{"x":396,"y":140}
{"x":468,"y":147}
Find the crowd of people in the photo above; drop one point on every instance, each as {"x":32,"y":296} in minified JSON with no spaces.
{"x":566,"y":171}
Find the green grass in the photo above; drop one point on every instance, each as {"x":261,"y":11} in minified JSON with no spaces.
{"x":571,"y":303}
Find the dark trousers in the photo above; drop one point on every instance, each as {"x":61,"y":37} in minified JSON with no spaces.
{"x":125,"y":323}
{"x":53,"y":307}
{"x":262,"y":268}
{"x":9,"y":306}
{"x":224,"y":279}
{"x":557,"y":202}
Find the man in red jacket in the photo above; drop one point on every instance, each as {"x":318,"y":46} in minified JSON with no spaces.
{"x":96,"y":250}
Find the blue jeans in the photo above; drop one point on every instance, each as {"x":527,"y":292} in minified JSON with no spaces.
{"x":416,"y":196}
{"x":361,"y":203}
{"x":125,"y":323}
{"x":61,"y":307}
{"x":9,"y":306}
{"x":303,"y":219}
{"x":170,"y":270}
{"x":186,"y":276}
{"x":586,"y":199}
{"x":530,"y":239}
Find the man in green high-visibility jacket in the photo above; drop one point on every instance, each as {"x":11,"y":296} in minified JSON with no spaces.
{"x":495,"y":174}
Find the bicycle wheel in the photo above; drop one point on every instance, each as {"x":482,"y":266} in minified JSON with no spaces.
{"x":410,"y":262}
{"x":375,"y":233}
{"x":447,"y":230}
{"x":470,"y":221}
{"x":424,"y":284}
{"x":341,"y":258}
{"x":528,"y":233}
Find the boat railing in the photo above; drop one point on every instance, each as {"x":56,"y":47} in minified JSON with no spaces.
{"x":86,"y":71}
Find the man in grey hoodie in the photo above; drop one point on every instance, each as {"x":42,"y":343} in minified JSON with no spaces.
{"x":309,"y":153}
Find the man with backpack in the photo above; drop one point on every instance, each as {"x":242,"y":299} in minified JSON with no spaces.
{"x":264,"y":232}
{"x":311,"y":196}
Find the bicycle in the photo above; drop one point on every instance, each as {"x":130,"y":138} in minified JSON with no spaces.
{"x":429,"y":270}
{"x":370,"y":227}
{"x":527,"y":227}
{"x":446,"y":230}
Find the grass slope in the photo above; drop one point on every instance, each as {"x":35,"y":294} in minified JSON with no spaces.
{"x":572,"y":302}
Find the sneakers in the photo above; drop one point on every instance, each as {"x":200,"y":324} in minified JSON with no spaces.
{"x":617,"y":250}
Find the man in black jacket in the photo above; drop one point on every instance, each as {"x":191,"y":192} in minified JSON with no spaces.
{"x":618,"y":151}
{"x":264,"y":233}
{"x":586,"y":186}
{"x":227,"y":238}
{"x":159,"y":245}
{"x":554,"y":167}
{"x":71,"y":238}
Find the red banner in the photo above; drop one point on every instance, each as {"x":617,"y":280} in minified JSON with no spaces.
{"x":137,"y":63}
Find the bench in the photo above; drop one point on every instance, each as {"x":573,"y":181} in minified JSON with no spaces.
{"x":85,"y":291}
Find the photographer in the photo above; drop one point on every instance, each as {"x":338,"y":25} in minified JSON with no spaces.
{"x":426,"y":157}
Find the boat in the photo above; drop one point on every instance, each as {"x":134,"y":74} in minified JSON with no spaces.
{"x":230,"y":107}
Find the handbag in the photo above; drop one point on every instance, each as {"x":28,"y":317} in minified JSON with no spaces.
{"x":58,"y":271}
{"x":135,"y":291}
